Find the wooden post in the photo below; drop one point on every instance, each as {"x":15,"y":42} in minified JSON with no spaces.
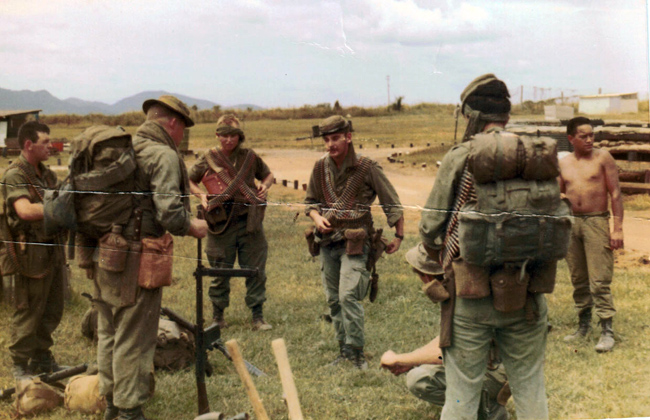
{"x":286,"y":377}
{"x":295,"y":185}
{"x":304,"y":187}
{"x":253,"y":396}
{"x":284,"y":182}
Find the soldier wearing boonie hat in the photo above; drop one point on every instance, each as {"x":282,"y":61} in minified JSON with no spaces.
{"x":236,"y":229}
{"x":128,"y":326}
{"x":464,"y":320}
{"x":342,"y":187}
{"x":425,"y":373}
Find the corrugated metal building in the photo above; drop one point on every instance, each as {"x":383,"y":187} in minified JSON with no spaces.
{"x":10,"y":122}
{"x":611,"y":103}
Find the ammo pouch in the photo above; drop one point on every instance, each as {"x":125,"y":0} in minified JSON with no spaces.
{"x":542,"y":276}
{"x":34,"y":259}
{"x":82,"y":394}
{"x":85,"y":247}
{"x":312,"y":245}
{"x":435,"y":291}
{"x":472,"y":281}
{"x":34,"y":396}
{"x":156,"y":262}
{"x":509,"y":286}
{"x":354,"y":241}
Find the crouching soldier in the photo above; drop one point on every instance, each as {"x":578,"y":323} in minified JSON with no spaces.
{"x":342,"y":188}
{"x":425,"y":373}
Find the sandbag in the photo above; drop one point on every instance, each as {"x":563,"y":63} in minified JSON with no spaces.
{"x":34,"y":396}
{"x":82,"y":394}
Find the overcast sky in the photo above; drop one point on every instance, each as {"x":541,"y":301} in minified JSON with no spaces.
{"x":294,"y":52}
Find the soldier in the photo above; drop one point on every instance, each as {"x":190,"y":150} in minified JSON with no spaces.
{"x":235,"y":213}
{"x":470,"y":323}
{"x":128,"y":327}
{"x":589,"y":178}
{"x":342,"y":187}
{"x":425,"y":373}
{"x":39,"y":279}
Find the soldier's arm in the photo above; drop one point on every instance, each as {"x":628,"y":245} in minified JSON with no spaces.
{"x":28,"y":211}
{"x":614,"y":191}
{"x":429,"y":354}
{"x":166,"y":179}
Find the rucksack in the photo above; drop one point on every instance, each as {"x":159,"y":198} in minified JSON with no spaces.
{"x":98,"y":191}
{"x":518,"y":214}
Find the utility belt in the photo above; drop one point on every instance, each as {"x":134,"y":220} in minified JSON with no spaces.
{"x":353,"y":233}
{"x":510,"y":285}
{"x":125,"y":264}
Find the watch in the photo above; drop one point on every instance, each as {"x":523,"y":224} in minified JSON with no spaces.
{"x":399,"y":236}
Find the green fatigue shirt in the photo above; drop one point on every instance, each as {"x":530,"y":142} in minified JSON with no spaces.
{"x":375,"y":184}
{"x":161,"y":183}
{"x":15,"y":185}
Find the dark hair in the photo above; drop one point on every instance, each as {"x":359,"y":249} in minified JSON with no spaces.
{"x":574,"y":123}
{"x":490,"y":98}
{"x":29,"y":131}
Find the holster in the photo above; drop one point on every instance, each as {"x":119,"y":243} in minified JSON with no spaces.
{"x":472,"y":281}
{"x":312,"y":245}
{"x":354,"y":241}
{"x":435,"y":291}
{"x":509,"y":285}
{"x":156,"y":262}
{"x":542,"y":276}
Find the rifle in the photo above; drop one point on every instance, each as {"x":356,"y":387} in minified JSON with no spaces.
{"x":49,"y":378}
{"x":206,"y":339}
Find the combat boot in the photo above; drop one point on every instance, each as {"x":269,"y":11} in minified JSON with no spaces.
{"x":20,"y":369}
{"x":345,"y":354}
{"x":111,"y":412}
{"x":359,"y":359}
{"x":606,"y":342}
{"x":134,"y":413}
{"x":584,"y":326}
{"x":44,"y":362}
{"x":218,"y":319}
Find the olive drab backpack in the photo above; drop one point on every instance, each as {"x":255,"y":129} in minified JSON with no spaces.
{"x":96,"y":194}
{"x":518,"y":214}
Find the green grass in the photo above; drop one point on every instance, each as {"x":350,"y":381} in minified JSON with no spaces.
{"x":581,"y":383}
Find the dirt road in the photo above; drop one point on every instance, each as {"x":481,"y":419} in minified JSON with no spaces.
{"x":414,"y":190}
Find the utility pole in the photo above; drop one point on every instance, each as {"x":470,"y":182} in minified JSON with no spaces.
{"x":388,"y":88}
{"x":521,"y":97}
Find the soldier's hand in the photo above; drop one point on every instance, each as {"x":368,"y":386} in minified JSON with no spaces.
{"x":393,"y":246}
{"x":390,"y":361}
{"x":204,"y":200}
{"x":616,"y":240}
{"x":322,"y":224}
{"x":198,"y":228}
{"x":262,"y":191}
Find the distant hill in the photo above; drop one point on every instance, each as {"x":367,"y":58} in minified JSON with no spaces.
{"x":42,"y":99}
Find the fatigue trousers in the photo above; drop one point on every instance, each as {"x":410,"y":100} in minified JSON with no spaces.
{"x":125,"y":349}
{"x":521,"y":347}
{"x":38,"y":311}
{"x":346,"y":281}
{"x":251,"y":251}
{"x":429,"y":383}
{"x":591,"y":263}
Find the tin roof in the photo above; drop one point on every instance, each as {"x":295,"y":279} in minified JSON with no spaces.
{"x":10,"y":113}
{"x":608,"y":95}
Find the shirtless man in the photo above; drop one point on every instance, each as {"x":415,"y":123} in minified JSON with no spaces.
{"x":589,"y":179}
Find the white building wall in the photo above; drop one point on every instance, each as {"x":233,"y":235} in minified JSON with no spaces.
{"x":630,"y":105}
{"x":591,"y":106}
{"x":3,"y":133}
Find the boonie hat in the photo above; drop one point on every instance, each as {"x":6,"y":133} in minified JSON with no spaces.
{"x":173,"y":103}
{"x":420,"y":260}
{"x":333,"y":124}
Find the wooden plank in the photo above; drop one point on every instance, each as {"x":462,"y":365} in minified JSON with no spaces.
{"x":635,"y":188}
